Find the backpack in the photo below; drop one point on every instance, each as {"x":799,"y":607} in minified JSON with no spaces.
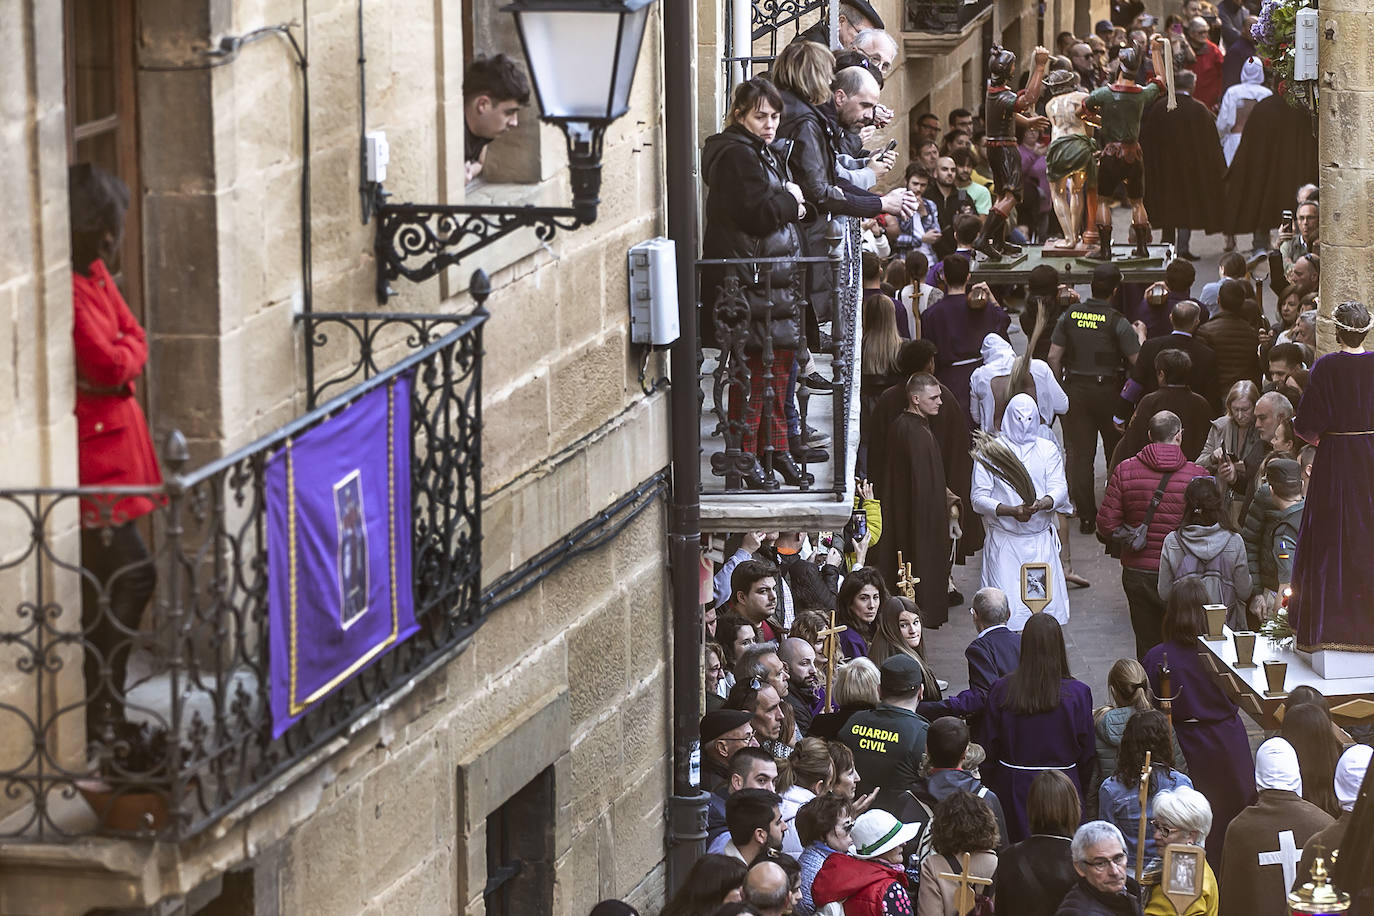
{"x":910,"y":808}
{"x":1192,"y":567}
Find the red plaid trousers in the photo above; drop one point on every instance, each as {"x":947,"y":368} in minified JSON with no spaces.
{"x":753,"y":408}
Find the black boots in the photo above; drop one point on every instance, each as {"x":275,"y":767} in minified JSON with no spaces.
{"x":1140,"y":233}
{"x":1104,"y":242}
{"x":792,"y":475}
{"x":986,"y":243}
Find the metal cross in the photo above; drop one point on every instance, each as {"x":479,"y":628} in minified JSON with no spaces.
{"x":1287,"y":855}
{"x":964,"y":895}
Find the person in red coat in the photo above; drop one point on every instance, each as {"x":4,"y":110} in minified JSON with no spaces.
{"x":113,"y":445}
{"x":871,"y":881}
{"x":1130,"y":492}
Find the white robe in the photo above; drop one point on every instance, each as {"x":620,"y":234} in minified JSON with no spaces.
{"x":998,"y":357}
{"x":1250,"y":88}
{"x":1010,"y":543}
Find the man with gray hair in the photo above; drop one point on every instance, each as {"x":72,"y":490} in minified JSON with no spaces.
{"x":879,"y":47}
{"x":761,"y":661}
{"x":994,"y":653}
{"x":1104,"y":888}
{"x":1147,"y":489}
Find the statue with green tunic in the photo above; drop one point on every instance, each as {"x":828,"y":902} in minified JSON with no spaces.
{"x":1119,"y":106}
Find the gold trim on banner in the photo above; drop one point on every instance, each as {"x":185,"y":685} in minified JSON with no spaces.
{"x":297,"y":707}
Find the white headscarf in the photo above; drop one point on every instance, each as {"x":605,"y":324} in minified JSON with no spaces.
{"x":1276,"y":766}
{"x":1021,"y":422}
{"x":1350,"y":772}
{"x":1252,"y":73}
{"x":997,"y":354}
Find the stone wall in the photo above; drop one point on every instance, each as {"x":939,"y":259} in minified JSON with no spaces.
{"x":573,"y":675}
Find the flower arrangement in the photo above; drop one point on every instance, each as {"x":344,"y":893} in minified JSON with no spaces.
{"x":1277,"y":630}
{"x":1273,"y":35}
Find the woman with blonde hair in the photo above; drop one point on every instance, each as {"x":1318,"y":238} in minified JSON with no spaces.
{"x":899,"y":632}
{"x":856,"y":689}
{"x":805,"y":69}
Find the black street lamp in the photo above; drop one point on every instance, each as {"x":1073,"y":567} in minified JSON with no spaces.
{"x":582,"y":56}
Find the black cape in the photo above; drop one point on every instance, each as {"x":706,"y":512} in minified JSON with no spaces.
{"x":1277,"y":155}
{"x":952,"y":435}
{"x":915,"y":520}
{"x":1185,"y":169}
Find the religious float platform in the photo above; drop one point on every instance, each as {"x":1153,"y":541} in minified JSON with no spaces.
{"x":1261,"y":687}
{"x":1075,"y":267}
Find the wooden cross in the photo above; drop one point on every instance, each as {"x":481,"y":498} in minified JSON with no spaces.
{"x":1144,"y":817}
{"x":828,"y":635}
{"x":965,"y":895}
{"x":906,"y":582}
{"x":1166,"y":695}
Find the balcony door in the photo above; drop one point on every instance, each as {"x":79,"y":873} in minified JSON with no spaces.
{"x":102,"y":123}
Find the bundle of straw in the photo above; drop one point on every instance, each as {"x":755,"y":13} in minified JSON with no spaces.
{"x":994,"y":454}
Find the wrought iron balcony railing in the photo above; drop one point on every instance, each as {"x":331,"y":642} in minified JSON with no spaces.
{"x":195,"y":670}
{"x":742,"y":383}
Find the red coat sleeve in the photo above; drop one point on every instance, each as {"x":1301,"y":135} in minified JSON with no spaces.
{"x":111,"y":349}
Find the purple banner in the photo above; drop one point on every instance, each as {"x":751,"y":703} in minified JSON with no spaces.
{"x":338,"y":550}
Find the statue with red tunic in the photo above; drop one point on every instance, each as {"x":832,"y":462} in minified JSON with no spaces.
{"x":1120,"y":106}
{"x":1002,"y":111}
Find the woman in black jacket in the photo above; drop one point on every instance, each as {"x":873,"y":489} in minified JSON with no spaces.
{"x":752,"y":310}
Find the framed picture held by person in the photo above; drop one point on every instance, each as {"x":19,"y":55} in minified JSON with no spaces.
{"x":1036,"y":585}
{"x":1182,"y":874}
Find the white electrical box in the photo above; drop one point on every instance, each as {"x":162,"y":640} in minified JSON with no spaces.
{"x":653,"y":293}
{"x":377,"y":155}
{"x":1305,"y":45}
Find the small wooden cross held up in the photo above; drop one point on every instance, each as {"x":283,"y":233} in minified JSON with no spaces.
{"x":831,"y":646}
{"x":965,"y":894}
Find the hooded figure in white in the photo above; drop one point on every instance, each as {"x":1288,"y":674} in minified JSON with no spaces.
{"x":1010,"y":541}
{"x":998,"y":357}
{"x":1237,"y":103}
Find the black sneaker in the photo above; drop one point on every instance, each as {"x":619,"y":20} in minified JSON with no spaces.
{"x":818,"y":382}
{"x":805,"y":453}
{"x":815,"y":438}
{"x":1086,"y":526}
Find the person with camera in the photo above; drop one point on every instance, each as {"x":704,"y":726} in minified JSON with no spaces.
{"x":1143,"y":503}
{"x":1304,"y":241}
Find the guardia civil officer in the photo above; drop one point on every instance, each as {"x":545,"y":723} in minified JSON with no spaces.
{"x":889,"y":741}
{"x":1092,"y":349}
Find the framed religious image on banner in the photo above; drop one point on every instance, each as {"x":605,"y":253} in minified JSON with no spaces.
{"x":1183,"y":874}
{"x":1037,"y":586}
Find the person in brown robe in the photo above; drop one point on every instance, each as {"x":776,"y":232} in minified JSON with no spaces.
{"x":1350,"y":775}
{"x":1264,"y":843}
{"x":916,"y":502}
{"x":950,"y":429}
{"x":1172,"y":368}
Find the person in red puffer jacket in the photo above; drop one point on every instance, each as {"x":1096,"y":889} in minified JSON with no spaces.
{"x":114,"y":447}
{"x":1130,"y":491}
{"x":872,"y":880}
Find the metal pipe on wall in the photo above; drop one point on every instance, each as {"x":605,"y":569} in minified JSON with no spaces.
{"x":687,"y":807}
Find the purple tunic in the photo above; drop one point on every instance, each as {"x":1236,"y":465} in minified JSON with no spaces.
{"x":1333,"y":580}
{"x":1023,"y":745}
{"x":957,"y":332}
{"x":1211,"y":735}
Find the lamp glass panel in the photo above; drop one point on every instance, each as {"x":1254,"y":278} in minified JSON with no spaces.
{"x":633,"y":29}
{"x":572,"y":56}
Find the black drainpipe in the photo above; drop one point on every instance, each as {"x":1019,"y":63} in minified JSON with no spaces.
{"x":687,"y":808}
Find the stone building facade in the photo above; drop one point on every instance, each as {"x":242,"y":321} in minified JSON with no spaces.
{"x":550,"y":727}
{"x":555,"y":714}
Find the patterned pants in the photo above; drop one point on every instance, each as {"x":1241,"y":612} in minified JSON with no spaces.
{"x":754,"y":440}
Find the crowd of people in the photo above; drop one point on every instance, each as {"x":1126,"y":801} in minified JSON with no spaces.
{"x":844,"y":775}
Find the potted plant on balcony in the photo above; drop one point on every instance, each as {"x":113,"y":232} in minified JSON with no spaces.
{"x":131,"y":794}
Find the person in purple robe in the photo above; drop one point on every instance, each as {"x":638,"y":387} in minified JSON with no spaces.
{"x":1333,"y":580}
{"x":957,"y":325}
{"x":1038,"y":718}
{"x":1205,"y":719}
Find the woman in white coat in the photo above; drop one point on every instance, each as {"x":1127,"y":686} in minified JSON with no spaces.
{"x":1018,"y":533}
